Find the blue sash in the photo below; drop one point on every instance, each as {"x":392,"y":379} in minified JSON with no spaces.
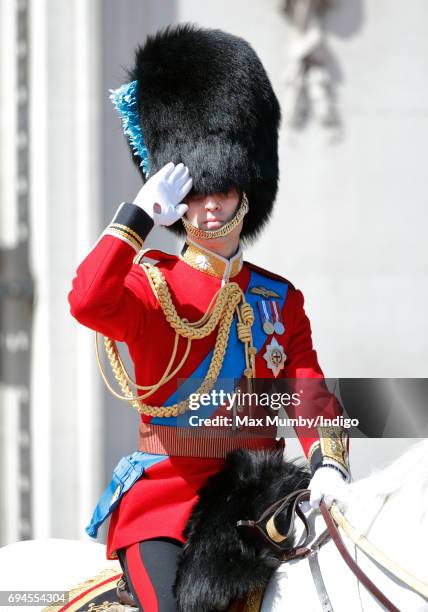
{"x":125,"y":474}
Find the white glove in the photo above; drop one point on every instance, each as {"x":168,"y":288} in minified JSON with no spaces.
{"x":162,"y":196}
{"x":328,"y":483}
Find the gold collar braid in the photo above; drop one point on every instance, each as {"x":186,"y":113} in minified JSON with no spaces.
{"x":208,"y":262}
{"x":220,"y":312}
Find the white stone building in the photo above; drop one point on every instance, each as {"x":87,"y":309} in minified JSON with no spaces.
{"x":349,"y":227}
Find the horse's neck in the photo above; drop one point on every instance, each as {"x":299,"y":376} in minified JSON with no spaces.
{"x":346,"y":593}
{"x":396,"y":524}
{"x":391,"y":506}
{"x":391,"y":509}
{"x":396,"y":527}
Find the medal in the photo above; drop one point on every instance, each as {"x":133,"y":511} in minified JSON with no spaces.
{"x":265,"y":316}
{"x":275,"y":357}
{"x":268,"y":328}
{"x":278,"y":324}
{"x":279,"y":328}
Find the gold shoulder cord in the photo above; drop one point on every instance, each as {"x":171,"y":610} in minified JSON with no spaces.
{"x":220,"y":312}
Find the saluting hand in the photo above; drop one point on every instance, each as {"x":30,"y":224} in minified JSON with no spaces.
{"x":162,"y":196}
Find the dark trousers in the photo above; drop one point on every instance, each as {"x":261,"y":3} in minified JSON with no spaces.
{"x":150,"y":568}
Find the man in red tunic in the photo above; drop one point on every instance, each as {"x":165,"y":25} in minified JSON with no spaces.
{"x":202,"y":122}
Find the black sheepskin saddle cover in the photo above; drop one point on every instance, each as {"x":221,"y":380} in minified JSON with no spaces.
{"x":218,"y":563}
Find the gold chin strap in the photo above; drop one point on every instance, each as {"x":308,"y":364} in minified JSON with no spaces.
{"x":222,"y":231}
{"x":220,"y":312}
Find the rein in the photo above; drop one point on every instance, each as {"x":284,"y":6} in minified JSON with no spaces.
{"x":353,"y":566}
{"x":377,"y":555}
{"x":265,"y":530}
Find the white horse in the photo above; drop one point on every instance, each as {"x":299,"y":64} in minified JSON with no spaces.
{"x":390,"y":507}
{"x":50,"y":565}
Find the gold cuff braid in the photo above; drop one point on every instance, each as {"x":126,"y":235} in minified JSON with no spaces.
{"x":333,"y":446}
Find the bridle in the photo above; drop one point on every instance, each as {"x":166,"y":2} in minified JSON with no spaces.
{"x":265,"y":531}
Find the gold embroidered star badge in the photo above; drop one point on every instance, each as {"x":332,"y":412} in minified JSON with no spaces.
{"x":275,"y":357}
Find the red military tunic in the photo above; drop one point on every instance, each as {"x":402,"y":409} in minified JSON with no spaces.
{"x":112,"y":295}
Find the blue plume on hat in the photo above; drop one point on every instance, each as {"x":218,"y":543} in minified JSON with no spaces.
{"x":125,"y":101}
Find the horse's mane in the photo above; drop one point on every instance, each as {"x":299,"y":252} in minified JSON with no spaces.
{"x":407,"y":475}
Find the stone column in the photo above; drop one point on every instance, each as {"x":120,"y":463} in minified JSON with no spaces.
{"x":67,"y":431}
{"x":16,"y":286}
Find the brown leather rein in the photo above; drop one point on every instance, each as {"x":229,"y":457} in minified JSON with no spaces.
{"x":266,"y":532}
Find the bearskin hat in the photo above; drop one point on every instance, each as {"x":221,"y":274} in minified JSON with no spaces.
{"x":204,"y":99}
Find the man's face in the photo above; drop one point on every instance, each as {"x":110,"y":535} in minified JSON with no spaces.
{"x":212,"y":211}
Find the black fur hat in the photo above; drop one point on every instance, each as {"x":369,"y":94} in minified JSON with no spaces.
{"x":204,"y":99}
